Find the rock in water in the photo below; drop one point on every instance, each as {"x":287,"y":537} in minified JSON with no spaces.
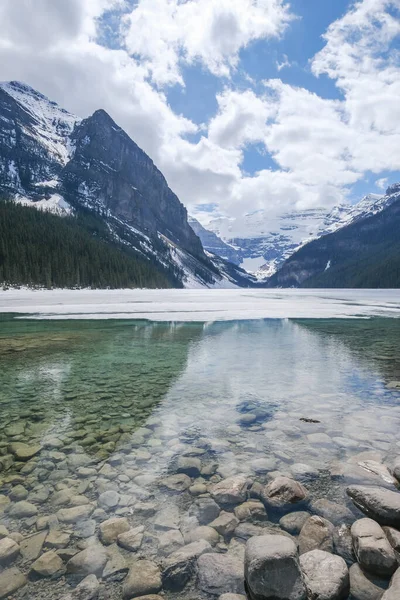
{"x":220,"y":573}
{"x":9,"y":550}
{"x":232,"y":490}
{"x":364,"y":586}
{"x":110,"y":530}
{"x":144,"y":578}
{"x":10,"y":581}
{"x":326,"y":576}
{"x":281,"y":492}
{"x":316,"y":534}
{"x":90,"y":561}
{"x":372,"y":549}
{"x":48,"y":565}
{"x":393,"y":593}
{"x":378,"y":503}
{"x":272,"y":569}
{"x":24,"y":451}
{"x":179,"y":566}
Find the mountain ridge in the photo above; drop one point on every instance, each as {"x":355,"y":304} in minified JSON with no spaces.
{"x":51,"y":159}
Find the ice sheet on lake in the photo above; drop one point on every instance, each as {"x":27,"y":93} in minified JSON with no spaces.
{"x":200,"y":305}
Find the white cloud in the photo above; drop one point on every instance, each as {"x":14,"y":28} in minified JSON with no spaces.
{"x":382,"y":183}
{"x":168,"y":33}
{"x":320,"y":146}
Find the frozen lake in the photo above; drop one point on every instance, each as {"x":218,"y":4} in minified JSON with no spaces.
{"x":201,"y":305}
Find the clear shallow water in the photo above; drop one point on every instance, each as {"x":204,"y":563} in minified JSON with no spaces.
{"x":136,"y":396}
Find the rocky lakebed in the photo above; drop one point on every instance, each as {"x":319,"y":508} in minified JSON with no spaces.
{"x":121,"y":480}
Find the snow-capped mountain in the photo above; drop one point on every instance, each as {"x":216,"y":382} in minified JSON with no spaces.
{"x":261,"y":243}
{"x":56,"y":161}
{"x":364,"y":253}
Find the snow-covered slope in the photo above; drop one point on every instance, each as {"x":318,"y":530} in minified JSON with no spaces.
{"x":263,"y":243}
{"x":54,"y":161}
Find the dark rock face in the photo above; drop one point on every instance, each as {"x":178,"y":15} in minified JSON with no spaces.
{"x":212,"y":243}
{"x":109,"y":172}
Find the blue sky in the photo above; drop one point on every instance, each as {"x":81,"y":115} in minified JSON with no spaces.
{"x":244,"y":105}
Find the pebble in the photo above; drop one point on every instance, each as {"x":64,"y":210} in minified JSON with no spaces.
{"x":110,"y":530}
{"x":23,"y":509}
{"x":293,"y":522}
{"x":90,"y":561}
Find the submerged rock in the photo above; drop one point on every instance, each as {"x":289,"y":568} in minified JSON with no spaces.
{"x":144,"y":578}
{"x":24,"y":452}
{"x":90,"y":561}
{"x":294,"y":521}
{"x":220,"y":573}
{"x":110,"y":530}
{"x":9,"y":550}
{"x":230,"y":491}
{"x":48,"y":565}
{"x":282,"y":491}
{"x":180,"y":565}
{"x":272,"y":569}
{"x":10,"y":581}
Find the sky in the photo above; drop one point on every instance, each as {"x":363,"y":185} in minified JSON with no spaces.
{"x":244,"y":105}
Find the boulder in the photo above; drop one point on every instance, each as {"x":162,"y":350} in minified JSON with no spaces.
{"x":225,"y":524}
{"x":220,"y":573}
{"x":48,"y":565}
{"x":372,"y":549}
{"x":380,"y":504}
{"x":294,"y":521}
{"x":110,"y":530}
{"x":325,"y":575}
{"x":335,"y":513}
{"x":393,"y":592}
{"x":343,"y":543}
{"x":9,"y":550}
{"x":282,"y":492}
{"x":179,"y":567}
{"x":364,"y":585}
{"x":10,"y":581}
{"x":393,"y":536}
{"x":316,"y":534}
{"x":252,"y":510}
{"x":230,"y":491}
{"x":90,"y":561}
{"x":272,"y":569}
{"x":143,"y":578}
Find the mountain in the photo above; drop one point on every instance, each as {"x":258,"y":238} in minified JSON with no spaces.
{"x":212,"y":243}
{"x":263,"y":242}
{"x":55,"y":161}
{"x":365,"y":253}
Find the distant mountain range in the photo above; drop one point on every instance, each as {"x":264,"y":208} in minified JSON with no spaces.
{"x":261,"y":243}
{"x":55,"y":161}
{"x":365,"y":253}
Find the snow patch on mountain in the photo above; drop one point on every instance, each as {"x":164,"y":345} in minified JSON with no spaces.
{"x":53,"y":124}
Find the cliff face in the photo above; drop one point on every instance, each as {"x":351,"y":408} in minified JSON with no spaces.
{"x":109,"y":172}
